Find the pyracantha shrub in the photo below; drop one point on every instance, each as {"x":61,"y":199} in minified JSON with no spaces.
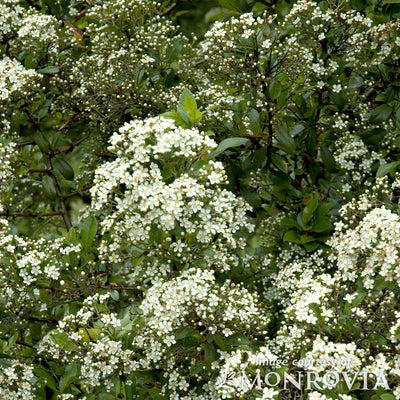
{"x":199,"y":215}
{"x":162,"y":197}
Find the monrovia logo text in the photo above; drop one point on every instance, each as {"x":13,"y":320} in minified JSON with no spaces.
{"x":308,"y":380}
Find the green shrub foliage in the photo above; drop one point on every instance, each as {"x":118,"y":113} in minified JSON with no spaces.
{"x":199,"y":200}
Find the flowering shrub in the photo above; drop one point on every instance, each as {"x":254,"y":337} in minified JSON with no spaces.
{"x":199,"y":200}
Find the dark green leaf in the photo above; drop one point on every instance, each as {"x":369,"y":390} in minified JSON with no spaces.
{"x":209,"y":353}
{"x":322,"y":224}
{"x":88,"y":232}
{"x":387,"y":168}
{"x":42,"y":142}
{"x":64,"y":167}
{"x":48,"y":187}
{"x":227,"y":144}
{"x":291,"y":236}
{"x":49,"y":70}
{"x":71,"y":372}
{"x":379,"y":114}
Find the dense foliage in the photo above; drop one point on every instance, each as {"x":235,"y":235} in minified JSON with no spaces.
{"x":199,"y":199}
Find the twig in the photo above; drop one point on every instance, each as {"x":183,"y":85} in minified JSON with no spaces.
{"x":83,"y":189}
{"x":59,"y":196}
{"x":31,"y":3}
{"x":24,"y":144}
{"x":168,"y":10}
{"x":28,"y":213}
{"x":270,"y":137}
{"x":39,"y":171}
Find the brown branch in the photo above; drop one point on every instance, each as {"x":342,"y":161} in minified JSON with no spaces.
{"x":28,"y":213}
{"x":68,"y":148}
{"x":24,"y":144}
{"x":83,"y":189}
{"x":65,"y":47}
{"x":39,"y":171}
{"x":117,"y":287}
{"x":31,"y":3}
{"x":59,"y":196}
{"x":270,"y":137}
{"x":168,"y":10}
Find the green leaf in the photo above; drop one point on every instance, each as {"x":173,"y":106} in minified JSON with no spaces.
{"x":274,"y":89}
{"x":42,"y":142}
{"x":322,"y":224}
{"x":174,"y":51}
{"x":233,"y":5}
{"x":46,"y":376}
{"x":179,"y":121}
{"x":48,"y":187}
{"x":286,"y":142}
{"x":71,"y":372}
{"x":227,"y":144}
{"x":379,"y":114}
{"x":49,"y":70}
{"x":114,"y":295}
{"x":387,"y":168}
{"x":94,"y":333}
{"x":253,"y":198}
{"x":327,"y":158}
{"x":187,"y":108}
{"x":309,"y":209}
{"x":106,"y":396}
{"x":388,"y":396}
{"x":185,"y":332}
{"x":64,"y":167}
{"x":291,"y":236}
{"x":88,"y":232}
{"x":209,"y":353}
{"x":311,"y":246}
{"x":220,"y":341}
{"x":306,"y":239}
{"x":12,"y":340}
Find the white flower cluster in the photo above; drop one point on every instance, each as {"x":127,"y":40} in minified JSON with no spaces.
{"x":353,"y":156}
{"x":39,"y":30}
{"x":15,"y":79}
{"x":196,"y":300}
{"x":27,"y":29}
{"x":17,"y":381}
{"x":7,"y":158}
{"x":129,"y":45}
{"x":103,"y":359}
{"x":188,"y":210}
{"x":329,"y":356}
{"x":31,"y":261}
{"x":88,"y":336}
{"x":234,"y":379}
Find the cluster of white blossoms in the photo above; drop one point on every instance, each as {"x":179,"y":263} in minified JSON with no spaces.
{"x":375,"y":241}
{"x":12,"y":15}
{"x":338,"y":357}
{"x":354,"y":157}
{"x":196,"y":299}
{"x":91,"y":336}
{"x":193,"y":306}
{"x":122,"y":70}
{"x":28,"y":261}
{"x":38,"y":30}
{"x":184,"y":216}
{"x":27,"y":29}
{"x":7,"y":158}
{"x":15,"y":79}
{"x":17,"y":381}
{"x":235,"y":378}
